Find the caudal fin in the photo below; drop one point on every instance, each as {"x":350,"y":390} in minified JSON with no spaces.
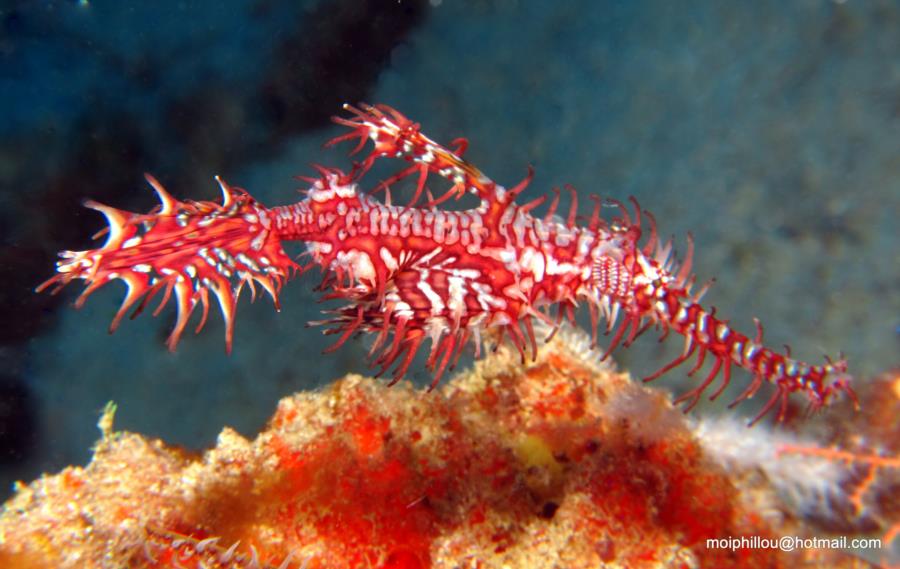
{"x":189,"y":248}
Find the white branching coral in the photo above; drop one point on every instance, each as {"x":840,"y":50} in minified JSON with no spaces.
{"x":808,"y":485}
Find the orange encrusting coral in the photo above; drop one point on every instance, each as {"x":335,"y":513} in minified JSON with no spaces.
{"x":511,"y":464}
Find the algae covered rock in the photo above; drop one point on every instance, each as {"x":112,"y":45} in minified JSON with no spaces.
{"x":557,"y":462}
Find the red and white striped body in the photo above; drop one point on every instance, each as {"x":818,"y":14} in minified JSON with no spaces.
{"x":411,"y":273}
{"x":445,"y":275}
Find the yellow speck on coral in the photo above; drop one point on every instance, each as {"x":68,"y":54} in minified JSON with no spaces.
{"x":534,"y":452}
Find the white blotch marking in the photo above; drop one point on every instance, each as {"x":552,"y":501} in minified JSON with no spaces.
{"x":358,"y":262}
{"x":722,"y":332}
{"x":389,"y":260}
{"x":437,"y":303}
{"x":131,"y":242}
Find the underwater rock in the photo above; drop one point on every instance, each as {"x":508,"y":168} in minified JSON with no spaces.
{"x":557,"y":462}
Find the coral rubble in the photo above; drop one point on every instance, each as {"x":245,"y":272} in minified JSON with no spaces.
{"x":558,"y":462}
